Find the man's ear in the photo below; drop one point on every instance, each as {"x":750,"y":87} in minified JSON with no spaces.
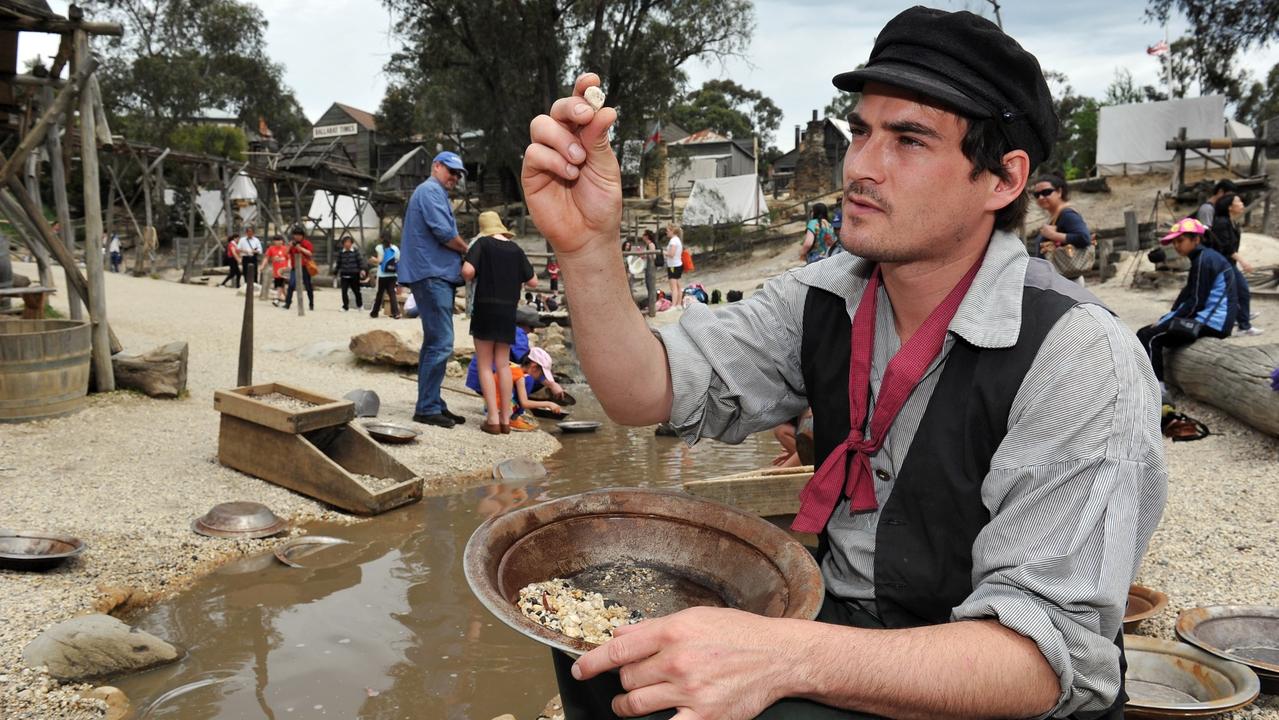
{"x":1016,"y":164}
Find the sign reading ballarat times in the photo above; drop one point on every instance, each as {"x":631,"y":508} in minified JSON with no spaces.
{"x":325,"y":131}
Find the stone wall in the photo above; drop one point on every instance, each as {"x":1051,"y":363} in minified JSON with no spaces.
{"x":812,"y":171}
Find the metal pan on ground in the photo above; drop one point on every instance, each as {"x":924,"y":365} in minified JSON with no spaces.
{"x":692,"y":552}
{"x":550,"y":414}
{"x":579,"y":426}
{"x":391,"y":433}
{"x":1143,"y":604}
{"x":298,"y":552}
{"x":36,"y":550}
{"x":1168,"y":679}
{"x":1244,"y":633}
{"x":239,"y":520}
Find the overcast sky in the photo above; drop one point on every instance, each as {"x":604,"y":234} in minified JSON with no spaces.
{"x":334,"y":50}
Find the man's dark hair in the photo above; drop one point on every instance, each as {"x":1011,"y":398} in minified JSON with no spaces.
{"x":1225,"y":186}
{"x":297,"y":230}
{"x":985,"y":146}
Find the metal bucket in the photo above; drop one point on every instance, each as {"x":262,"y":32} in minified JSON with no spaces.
{"x":44,"y":368}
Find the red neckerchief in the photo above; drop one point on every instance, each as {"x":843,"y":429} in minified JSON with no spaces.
{"x":905,"y":370}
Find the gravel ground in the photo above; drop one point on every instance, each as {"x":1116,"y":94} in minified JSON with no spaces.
{"x":128,"y":474}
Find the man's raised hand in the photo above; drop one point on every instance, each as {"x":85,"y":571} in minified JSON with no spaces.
{"x":572,"y":183}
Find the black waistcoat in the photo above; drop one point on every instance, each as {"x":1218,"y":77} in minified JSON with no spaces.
{"x":924,"y":540}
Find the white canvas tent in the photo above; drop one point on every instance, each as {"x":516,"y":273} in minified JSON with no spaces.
{"x":1131,"y":138}
{"x":727,"y":199}
{"x":341,"y":211}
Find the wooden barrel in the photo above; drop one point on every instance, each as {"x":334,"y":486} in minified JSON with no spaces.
{"x":44,"y":368}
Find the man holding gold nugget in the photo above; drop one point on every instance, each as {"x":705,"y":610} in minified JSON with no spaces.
{"x":990,"y":467}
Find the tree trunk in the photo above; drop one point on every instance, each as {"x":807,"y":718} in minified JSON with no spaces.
{"x":1231,"y":378}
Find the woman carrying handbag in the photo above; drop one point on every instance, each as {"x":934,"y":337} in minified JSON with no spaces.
{"x":1065,"y":241}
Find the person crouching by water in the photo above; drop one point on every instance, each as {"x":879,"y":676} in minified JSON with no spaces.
{"x":819,"y":236}
{"x":1205,"y":307}
{"x":1066,"y":231}
{"x":499,"y":267}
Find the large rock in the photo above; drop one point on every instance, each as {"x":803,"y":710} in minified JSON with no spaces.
{"x":387,"y":347}
{"x":160,"y":373}
{"x":93,"y":646}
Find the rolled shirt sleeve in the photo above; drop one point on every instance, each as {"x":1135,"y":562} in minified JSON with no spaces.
{"x":736,"y":370}
{"x":1075,"y":492}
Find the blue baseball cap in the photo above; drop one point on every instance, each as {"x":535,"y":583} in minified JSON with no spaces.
{"x":451,"y":160}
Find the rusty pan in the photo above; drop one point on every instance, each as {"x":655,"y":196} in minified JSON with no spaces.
{"x":712,"y":553}
{"x":1168,"y":679}
{"x":1143,"y":604}
{"x":36,"y":550}
{"x":1244,"y":633}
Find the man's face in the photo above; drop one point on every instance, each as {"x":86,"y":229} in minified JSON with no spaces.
{"x":248,"y":231}
{"x":1045,"y":195}
{"x":445,"y":175}
{"x":908,"y":191}
{"x":1185,"y":244}
{"x":297,"y":239}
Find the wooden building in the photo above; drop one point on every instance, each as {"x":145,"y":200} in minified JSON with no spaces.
{"x":356,"y":130}
{"x":706,"y":154}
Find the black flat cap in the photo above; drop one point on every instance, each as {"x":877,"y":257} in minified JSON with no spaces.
{"x":968,"y":64}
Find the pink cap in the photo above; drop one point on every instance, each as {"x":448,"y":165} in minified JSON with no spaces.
{"x":1183,"y":227}
{"x":541,"y":357}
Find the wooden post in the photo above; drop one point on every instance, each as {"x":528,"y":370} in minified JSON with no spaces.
{"x":103,"y":371}
{"x":244,"y":375}
{"x":296,"y":281}
{"x":139,"y":250}
{"x":58,"y":177}
{"x":1179,"y":170}
{"x":1132,"y":236}
{"x":650,"y":282}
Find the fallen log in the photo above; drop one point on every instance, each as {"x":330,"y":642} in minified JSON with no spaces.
{"x":160,"y":373}
{"x":1232,"y":378}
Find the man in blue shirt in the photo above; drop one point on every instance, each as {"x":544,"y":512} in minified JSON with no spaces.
{"x":431,"y":266}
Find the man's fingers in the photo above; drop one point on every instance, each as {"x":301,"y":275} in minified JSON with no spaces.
{"x":646,"y":700}
{"x":544,"y":130}
{"x":584,"y":81}
{"x":615,"y":653}
{"x":573,"y":111}
{"x":540,"y":158}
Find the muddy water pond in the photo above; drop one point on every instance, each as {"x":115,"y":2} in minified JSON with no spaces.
{"x":385,"y":626}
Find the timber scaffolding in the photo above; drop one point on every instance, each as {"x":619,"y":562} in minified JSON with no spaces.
{"x":276,"y":190}
{"x":20,"y":201}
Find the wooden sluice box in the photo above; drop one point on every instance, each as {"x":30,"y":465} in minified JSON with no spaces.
{"x":312,"y":448}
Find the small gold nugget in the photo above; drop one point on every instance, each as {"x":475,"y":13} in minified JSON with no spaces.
{"x":595,"y":97}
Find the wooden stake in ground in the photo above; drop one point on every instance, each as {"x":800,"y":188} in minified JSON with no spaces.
{"x":58,"y":178}
{"x":296,"y":281}
{"x":245,"y":374}
{"x":103,"y":371}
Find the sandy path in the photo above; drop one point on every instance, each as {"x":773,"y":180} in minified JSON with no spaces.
{"x":128,"y":474}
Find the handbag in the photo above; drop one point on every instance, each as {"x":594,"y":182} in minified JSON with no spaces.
{"x":311,"y":268}
{"x":1071,"y":262}
{"x":1184,"y":328}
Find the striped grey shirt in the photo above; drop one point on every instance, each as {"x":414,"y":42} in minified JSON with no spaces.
{"x":1074,"y":491}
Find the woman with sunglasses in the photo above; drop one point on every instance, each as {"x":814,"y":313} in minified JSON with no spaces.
{"x":1065,"y":227}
